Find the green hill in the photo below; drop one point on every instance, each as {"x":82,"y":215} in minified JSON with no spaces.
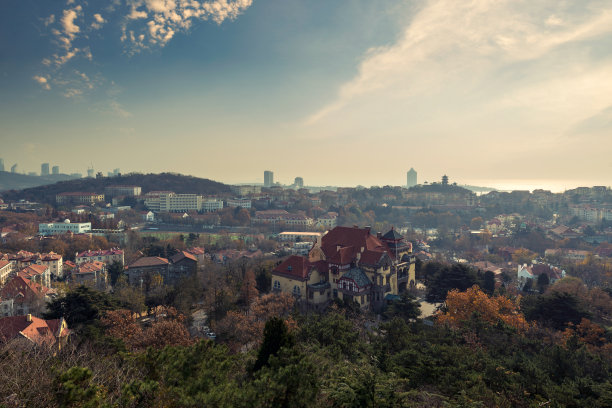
{"x":149,"y":182}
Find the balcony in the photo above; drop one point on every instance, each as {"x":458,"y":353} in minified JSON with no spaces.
{"x":320,"y":286}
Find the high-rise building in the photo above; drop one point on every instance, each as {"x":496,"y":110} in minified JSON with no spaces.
{"x":268,"y":178}
{"x":55,"y":170}
{"x":1,"y":164}
{"x":14,"y":168}
{"x":299,"y":182}
{"x":44,"y":169}
{"x":411,"y":178}
{"x":90,"y":172}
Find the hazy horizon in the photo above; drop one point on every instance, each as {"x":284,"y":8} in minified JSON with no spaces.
{"x":348,"y":94}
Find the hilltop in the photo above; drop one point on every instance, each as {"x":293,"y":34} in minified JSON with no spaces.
{"x":17,"y":181}
{"x":149,"y":182}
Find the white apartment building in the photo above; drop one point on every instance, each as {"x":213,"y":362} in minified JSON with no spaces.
{"x":239,"y":202}
{"x":114,"y":191}
{"x":106,"y":256}
{"x":57,"y":228}
{"x":167,"y":201}
{"x":212,"y":205}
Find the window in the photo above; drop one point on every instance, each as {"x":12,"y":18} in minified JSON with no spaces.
{"x":277,"y":285}
{"x":296,"y":290}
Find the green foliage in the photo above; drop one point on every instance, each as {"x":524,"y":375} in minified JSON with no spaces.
{"x":115,"y":270}
{"x":80,"y":307}
{"x":275,"y":337}
{"x":456,"y":276}
{"x":557,"y":310}
{"x":406,"y":308}
{"x":74,"y":389}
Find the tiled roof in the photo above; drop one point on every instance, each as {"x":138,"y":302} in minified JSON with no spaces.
{"x":33,"y":270}
{"x":357,"y":276}
{"x":24,"y":290}
{"x":149,"y":261}
{"x":90,"y":267}
{"x":4,"y":263}
{"x":392,"y":234}
{"x":295,"y":266}
{"x":104,"y":252}
{"x":182,"y":255}
{"x":32,"y":328}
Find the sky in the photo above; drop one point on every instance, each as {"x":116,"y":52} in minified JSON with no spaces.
{"x":490,"y":92}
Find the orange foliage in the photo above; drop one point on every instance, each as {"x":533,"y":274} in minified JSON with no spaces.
{"x":462,"y":305}
{"x":167,"y":329}
{"x":246,"y":329}
{"x":587,"y":332}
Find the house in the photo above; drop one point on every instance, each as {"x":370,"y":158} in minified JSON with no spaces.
{"x":6,"y":268}
{"x":34,"y":330}
{"x":525,"y":272}
{"x":356,"y":265}
{"x":92,"y":274}
{"x":148,"y":216}
{"x":180,"y":265}
{"x":37,"y":273}
{"x":51,"y":260}
{"x":25,"y":296}
{"x":298,"y":276}
{"x":107,"y":256}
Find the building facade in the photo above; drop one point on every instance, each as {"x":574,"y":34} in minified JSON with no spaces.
{"x":58,"y":228}
{"x":106,"y":256}
{"x":411,"y":178}
{"x":268,"y":178}
{"x":79,"y":198}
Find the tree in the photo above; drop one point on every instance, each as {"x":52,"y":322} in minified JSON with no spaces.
{"x":461,"y":306}
{"x":115,"y":270}
{"x":523,"y":256}
{"x":557,"y":309}
{"x":489,"y":282}
{"x":457,"y":276}
{"x":406,"y":308}
{"x":275,"y":336}
{"x":249,"y":290}
{"x":81,"y":306}
{"x":543,"y":281}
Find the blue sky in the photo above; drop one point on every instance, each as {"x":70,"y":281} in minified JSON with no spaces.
{"x":342,"y":93}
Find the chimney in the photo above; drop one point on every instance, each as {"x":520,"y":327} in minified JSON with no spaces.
{"x":28,"y":317}
{"x":379,"y":235}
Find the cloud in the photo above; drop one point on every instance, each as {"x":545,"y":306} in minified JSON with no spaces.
{"x":457,"y":48}
{"x":153,"y":23}
{"x":42,"y":81}
{"x":98,"y":21}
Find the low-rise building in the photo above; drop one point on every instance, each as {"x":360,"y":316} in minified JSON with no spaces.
{"x":78,"y":198}
{"x":58,"y":228}
{"x":239,"y":202}
{"x":25,"y":296}
{"x":92,"y":274}
{"x":6,"y":268}
{"x":127,"y":191}
{"x":212,"y":205}
{"x":107,"y":256}
{"x":33,"y":330}
{"x":296,"y":236}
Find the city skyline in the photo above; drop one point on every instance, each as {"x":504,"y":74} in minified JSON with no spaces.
{"x":225,"y":89}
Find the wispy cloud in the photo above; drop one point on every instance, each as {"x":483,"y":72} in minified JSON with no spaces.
{"x":456,"y":46}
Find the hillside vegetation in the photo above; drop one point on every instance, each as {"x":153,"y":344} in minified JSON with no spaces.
{"x":149,"y":182}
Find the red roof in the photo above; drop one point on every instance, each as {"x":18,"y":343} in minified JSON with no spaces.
{"x":4,"y":263}
{"x":101,"y":252}
{"x":21,"y":290}
{"x":90,"y":267}
{"x":32,"y":328}
{"x":182,"y":254}
{"x":341,"y":244}
{"x":33,"y":270}
{"x":149,"y":261}
{"x":295,"y":266}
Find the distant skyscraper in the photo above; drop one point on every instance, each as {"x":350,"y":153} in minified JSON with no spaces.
{"x":55,"y":170}
{"x":445,"y":180}
{"x":90,"y":172}
{"x":116,"y":172}
{"x":14,"y":168}
{"x":44,"y":169}
{"x":299,"y":182}
{"x":268,"y":178}
{"x":1,"y":164}
{"x":411,"y":178}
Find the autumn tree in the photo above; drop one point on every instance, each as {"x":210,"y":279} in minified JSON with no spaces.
{"x":248,"y":290}
{"x":461,"y":306}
